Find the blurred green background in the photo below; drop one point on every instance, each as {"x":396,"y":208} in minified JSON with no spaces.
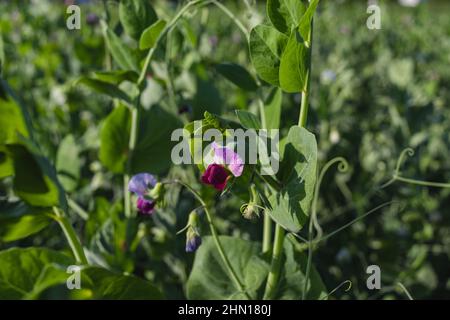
{"x":374,"y":93}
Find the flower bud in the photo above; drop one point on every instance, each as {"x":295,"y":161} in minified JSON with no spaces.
{"x":193,"y":239}
{"x":250,"y":211}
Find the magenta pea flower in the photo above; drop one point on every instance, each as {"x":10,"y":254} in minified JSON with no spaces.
{"x":145,"y":207}
{"x":141,"y":184}
{"x":226,"y":163}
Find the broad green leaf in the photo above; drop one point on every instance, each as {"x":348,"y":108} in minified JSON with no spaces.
{"x":68,"y":163}
{"x":15,"y":228}
{"x":151,"y":34}
{"x":116,"y":77}
{"x":154,"y":145}
{"x":273,"y":108}
{"x":25,"y":273}
{"x":111,"y":286}
{"x":104,"y":88}
{"x":35,"y":179}
{"x":114,"y":136}
{"x":298,"y":174}
{"x":237,"y":75}
{"x":122,"y":53}
{"x":293,"y":276}
{"x":135,"y":16}
{"x":293,"y":66}
{"x":266,"y":47}
{"x":210,"y":279}
{"x":248,"y":120}
{"x":285,"y":14}
{"x":12,"y":122}
{"x":6,"y":166}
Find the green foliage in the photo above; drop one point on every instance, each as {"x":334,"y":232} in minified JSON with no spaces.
{"x":266,"y":48}
{"x":124,"y":56}
{"x":248,"y":120}
{"x":151,"y":34}
{"x":298,"y":174}
{"x":114,"y":138}
{"x":237,"y":75}
{"x":210,"y":280}
{"x":136,"y":16}
{"x":286,"y":14}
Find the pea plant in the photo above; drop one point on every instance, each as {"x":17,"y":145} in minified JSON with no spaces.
{"x":137,"y":148}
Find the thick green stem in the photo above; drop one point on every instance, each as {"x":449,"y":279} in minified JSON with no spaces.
{"x":275,"y":267}
{"x":131,"y":146}
{"x":71,"y":236}
{"x":238,"y":284}
{"x":267,"y":233}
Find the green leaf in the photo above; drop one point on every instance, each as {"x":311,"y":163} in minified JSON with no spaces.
{"x":35,"y":178}
{"x":293,"y":276}
{"x":25,"y":273}
{"x":154,"y":145}
{"x":248,"y":120}
{"x":68,"y":163}
{"x":135,"y":16}
{"x":293,"y":66}
{"x":305,"y":21}
{"x":15,"y":228}
{"x":210,"y":279}
{"x":108,"y":285}
{"x":273,"y":108}
{"x":285,"y":14}
{"x":122,"y":53}
{"x":151,"y":34}
{"x":104,"y":88}
{"x":298,"y":174}
{"x":116,"y":77}
{"x":6,"y":165}
{"x":114,"y":136}
{"x":12,"y":122}
{"x":266,"y":48}
{"x":237,"y":75}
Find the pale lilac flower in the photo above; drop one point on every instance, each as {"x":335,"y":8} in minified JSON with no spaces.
{"x":141,"y":183}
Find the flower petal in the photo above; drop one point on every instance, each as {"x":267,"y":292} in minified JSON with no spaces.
{"x":141,"y":183}
{"x":145,"y":207}
{"x":226,"y":156}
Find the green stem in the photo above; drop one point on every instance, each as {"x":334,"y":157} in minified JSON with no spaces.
{"x":267,"y":233}
{"x":71,"y":236}
{"x":79,"y":210}
{"x":131,"y":146}
{"x":274,"y":274}
{"x":217,"y":242}
{"x":275,"y":267}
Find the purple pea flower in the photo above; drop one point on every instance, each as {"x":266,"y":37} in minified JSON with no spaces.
{"x":141,"y":184}
{"x":193,"y":241}
{"x":225,"y":163}
{"x":145,"y":207}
